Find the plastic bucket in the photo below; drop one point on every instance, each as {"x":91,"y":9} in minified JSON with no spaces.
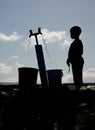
{"x":55,"y":77}
{"x":28,"y":76}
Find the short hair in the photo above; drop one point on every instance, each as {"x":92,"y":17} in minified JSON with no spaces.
{"x":76,"y":29}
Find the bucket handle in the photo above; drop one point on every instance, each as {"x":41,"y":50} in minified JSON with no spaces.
{"x":61,"y":74}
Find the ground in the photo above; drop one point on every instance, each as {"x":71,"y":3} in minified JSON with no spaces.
{"x":47,"y":108}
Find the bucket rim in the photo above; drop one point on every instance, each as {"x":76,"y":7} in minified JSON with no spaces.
{"x":27,"y":68}
{"x":55,"y":70}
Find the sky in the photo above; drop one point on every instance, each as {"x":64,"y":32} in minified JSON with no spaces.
{"x":55,"y":17}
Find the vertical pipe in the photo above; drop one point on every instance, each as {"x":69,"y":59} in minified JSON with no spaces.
{"x":41,"y":65}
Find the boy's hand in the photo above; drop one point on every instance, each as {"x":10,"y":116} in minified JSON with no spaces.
{"x":68,"y":62}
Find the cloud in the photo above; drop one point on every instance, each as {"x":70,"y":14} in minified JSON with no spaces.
{"x":88,"y":76}
{"x":18,"y":65}
{"x":11,"y":38}
{"x":53,"y":36}
{"x":14,"y":57}
{"x":5,"y":69}
{"x":67,"y":79}
{"x":91,"y":71}
{"x":49,"y":37}
{"x":10,"y":79}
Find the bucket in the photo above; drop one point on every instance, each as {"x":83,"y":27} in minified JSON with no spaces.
{"x":28,"y":76}
{"x":55,"y":77}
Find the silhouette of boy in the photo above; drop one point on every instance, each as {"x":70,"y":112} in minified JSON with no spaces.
{"x":75,"y":56}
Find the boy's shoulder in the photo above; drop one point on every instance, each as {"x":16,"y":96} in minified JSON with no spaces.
{"x":77,"y":41}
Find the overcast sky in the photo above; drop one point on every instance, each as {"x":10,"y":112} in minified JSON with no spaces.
{"x":55,"y":17}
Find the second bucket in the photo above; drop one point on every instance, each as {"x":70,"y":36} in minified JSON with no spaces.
{"x":55,"y":77}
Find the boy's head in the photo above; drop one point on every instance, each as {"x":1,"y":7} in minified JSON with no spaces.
{"x":75,"y":32}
